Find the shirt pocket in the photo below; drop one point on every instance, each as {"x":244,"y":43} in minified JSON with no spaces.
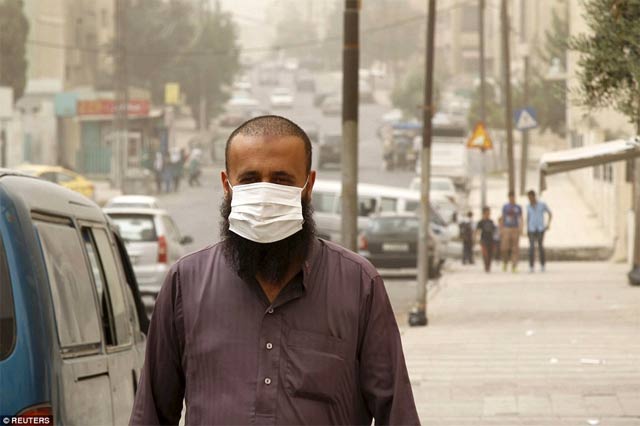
{"x":315,"y":365}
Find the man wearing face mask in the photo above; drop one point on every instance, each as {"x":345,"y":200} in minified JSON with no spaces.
{"x":273,"y":325}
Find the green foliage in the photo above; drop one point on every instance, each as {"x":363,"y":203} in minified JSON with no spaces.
{"x":178,"y":43}
{"x":408,"y":93}
{"x":156,"y":47}
{"x":609,"y":64}
{"x":494,"y":110}
{"x":14,"y":29}
{"x":211,"y":65}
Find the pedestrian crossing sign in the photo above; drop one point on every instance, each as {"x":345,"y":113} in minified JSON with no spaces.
{"x":525,"y":119}
{"x":480,"y":138}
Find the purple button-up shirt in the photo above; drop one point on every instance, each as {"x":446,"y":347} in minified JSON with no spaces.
{"x":326,"y":351}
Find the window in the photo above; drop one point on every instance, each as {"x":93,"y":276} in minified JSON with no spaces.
{"x":70,"y":283}
{"x":50,"y":176}
{"x":63,"y":178}
{"x":323,"y":202}
{"x":7,"y":312}
{"x":117,"y":304}
{"x":139,"y":227}
{"x":172,"y":230}
{"x":366,"y":206}
{"x":388,"y":204}
{"x":470,"y":18}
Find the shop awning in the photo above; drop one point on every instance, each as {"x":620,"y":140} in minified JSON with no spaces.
{"x":587,"y":156}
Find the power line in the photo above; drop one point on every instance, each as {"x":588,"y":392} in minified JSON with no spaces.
{"x":306,"y":43}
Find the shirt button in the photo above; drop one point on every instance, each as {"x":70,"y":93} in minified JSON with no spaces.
{"x":270,"y":311}
{"x":269,"y":345}
{"x":267,"y":381}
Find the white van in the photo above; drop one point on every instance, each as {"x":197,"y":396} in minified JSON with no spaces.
{"x":372,"y":199}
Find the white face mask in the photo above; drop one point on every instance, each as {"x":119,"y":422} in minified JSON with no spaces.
{"x":266,"y":212}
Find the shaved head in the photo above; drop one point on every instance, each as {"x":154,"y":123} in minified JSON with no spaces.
{"x":270,"y":126}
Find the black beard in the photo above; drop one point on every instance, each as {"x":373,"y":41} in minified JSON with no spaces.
{"x":269,"y":261}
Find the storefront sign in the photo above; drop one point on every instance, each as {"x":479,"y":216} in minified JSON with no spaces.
{"x":136,"y":107}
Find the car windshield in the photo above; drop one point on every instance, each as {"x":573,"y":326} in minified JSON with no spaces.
{"x":132,"y":205}
{"x":441,"y":185}
{"x":138,"y":228}
{"x":384,"y":225}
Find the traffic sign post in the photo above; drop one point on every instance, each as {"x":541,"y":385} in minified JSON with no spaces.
{"x":480,"y":140}
{"x":525,"y":119}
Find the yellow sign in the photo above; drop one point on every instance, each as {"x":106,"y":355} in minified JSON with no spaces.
{"x":172,"y":94}
{"x":480,"y":138}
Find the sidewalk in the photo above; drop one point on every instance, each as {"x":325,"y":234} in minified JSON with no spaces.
{"x":559,"y":348}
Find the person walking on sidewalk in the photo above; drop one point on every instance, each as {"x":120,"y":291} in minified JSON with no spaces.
{"x":536,"y":228}
{"x":466,"y":234}
{"x":272,"y":325}
{"x":486,"y":230}
{"x":510,"y":232}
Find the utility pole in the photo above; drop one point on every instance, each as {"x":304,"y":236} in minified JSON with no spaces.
{"x":418,"y":316}
{"x":525,"y":133}
{"x":483,"y":100}
{"x":204,"y":17}
{"x":121,"y":95}
{"x":350,"y":66}
{"x":508,"y":112}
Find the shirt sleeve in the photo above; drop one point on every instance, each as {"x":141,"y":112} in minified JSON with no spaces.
{"x":384,"y":380}
{"x":162,"y":382}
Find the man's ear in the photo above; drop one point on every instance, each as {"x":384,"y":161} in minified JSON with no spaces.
{"x":224,"y":178}
{"x":310,"y":182}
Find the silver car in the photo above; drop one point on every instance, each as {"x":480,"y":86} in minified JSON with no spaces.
{"x":153,"y":243}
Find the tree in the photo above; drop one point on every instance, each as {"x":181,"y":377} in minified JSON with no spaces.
{"x":210,"y":64}
{"x":14,"y":29}
{"x":155,"y":48}
{"x":609,"y":64}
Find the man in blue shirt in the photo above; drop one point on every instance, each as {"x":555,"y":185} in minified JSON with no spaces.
{"x":536,"y":228}
{"x":510,"y":230}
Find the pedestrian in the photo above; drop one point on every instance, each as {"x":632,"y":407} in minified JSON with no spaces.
{"x":496,"y":241}
{"x":510,"y":232}
{"x":536,"y":228}
{"x":466,"y":235}
{"x":158,"y":169}
{"x":486,"y":230}
{"x":193,"y":167}
{"x":167,"y":172}
{"x":177,"y":166}
{"x":272,"y":325}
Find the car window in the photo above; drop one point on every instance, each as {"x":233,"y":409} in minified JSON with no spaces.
{"x":366,"y":206}
{"x":50,"y":176}
{"x":411,"y":206}
{"x":138,"y":227}
{"x":63,"y":177}
{"x":7,"y":311}
{"x":323,"y":202}
{"x":394,"y":224}
{"x":388,"y":204}
{"x":69,"y":279}
{"x":117,"y":303}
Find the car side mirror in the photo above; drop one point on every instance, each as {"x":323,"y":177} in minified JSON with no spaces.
{"x":186,"y":240}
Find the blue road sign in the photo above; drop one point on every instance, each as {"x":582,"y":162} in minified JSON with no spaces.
{"x":525,"y":118}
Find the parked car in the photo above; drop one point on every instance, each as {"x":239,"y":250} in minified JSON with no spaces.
{"x":242,"y":99}
{"x":153,"y":242}
{"x":440,"y":185}
{"x":281,"y":97}
{"x":305,"y":82}
{"x":72,"y":325}
{"x":61,"y":176}
{"x":372,"y":199}
{"x":133,"y":201}
{"x":391,"y":241}
{"x":332,"y":105}
{"x":329,"y":149}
